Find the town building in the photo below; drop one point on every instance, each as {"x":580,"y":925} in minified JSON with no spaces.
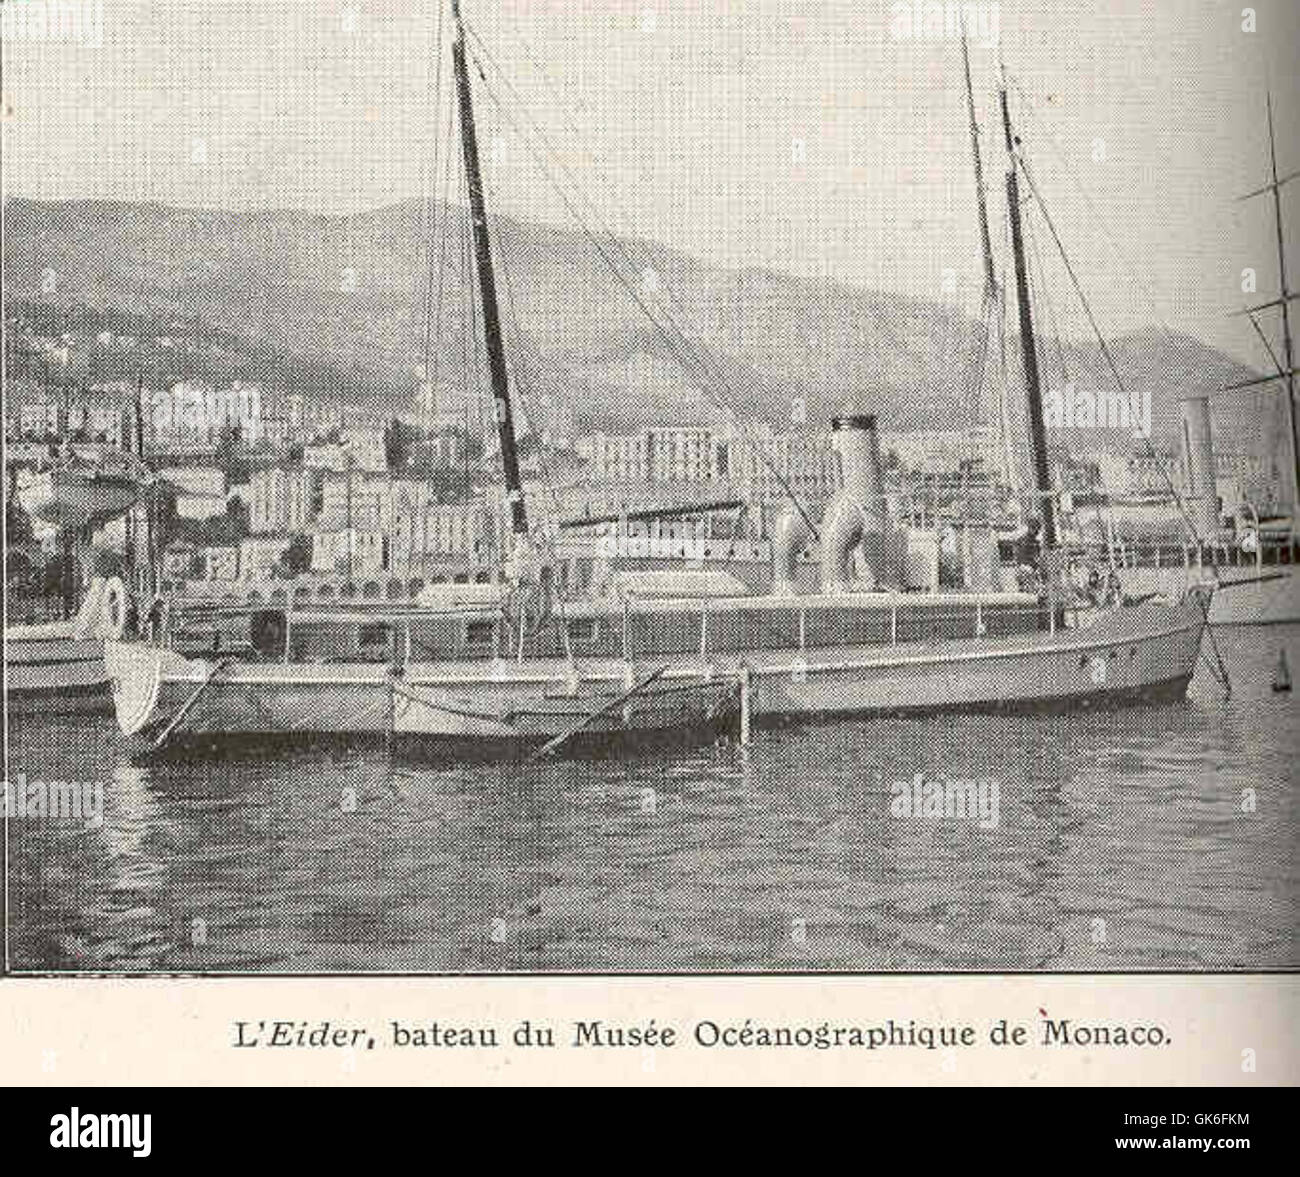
{"x":683,"y":454}
{"x":109,"y":423}
{"x":39,"y":418}
{"x":759,"y":460}
{"x":179,"y":560}
{"x":617,"y":457}
{"x":943,"y":451}
{"x":274,"y":432}
{"x":359,"y":448}
{"x":259,"y":554}
{"x":283,"y":497}
{"x":660,"y":453}
{"x":359,"y":500}
{"x":220,"y":563}
{"x":349,"y":552}
{"x":194,"y":413}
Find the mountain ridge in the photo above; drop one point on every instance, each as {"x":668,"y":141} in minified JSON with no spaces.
{"x":346,"y":292}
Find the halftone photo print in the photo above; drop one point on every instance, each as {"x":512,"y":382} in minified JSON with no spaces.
{"x":653,"y":487}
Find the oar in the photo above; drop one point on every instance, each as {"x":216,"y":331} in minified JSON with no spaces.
{"x":563,"y":738}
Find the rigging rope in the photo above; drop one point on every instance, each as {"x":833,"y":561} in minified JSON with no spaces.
{"x":1023,"y":163}
{"x":434,"y":223}
{"x":697,"y":358}
{"x":520,"y":346}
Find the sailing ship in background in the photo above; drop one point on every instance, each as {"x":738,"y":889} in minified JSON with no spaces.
{"x":1253,"y":565}
{"x":531,"y":662}
{"x":1272,"y":597}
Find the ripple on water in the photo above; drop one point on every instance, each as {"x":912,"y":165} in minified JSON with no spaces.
{"x":1159,"y":837}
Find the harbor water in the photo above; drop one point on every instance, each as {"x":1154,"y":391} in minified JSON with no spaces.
{"x":1154,"y":837}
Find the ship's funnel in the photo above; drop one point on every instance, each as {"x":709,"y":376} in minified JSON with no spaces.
{"x":854,"y":438}
{"x":1199,"y":490}
{"x":856,"y":518}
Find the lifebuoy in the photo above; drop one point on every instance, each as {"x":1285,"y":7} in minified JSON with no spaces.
{"x":114,"y":611}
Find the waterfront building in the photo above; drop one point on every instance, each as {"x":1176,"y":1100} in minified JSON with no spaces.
{"x":39,"y":418}
{"x":759,"y":459}
{"x":350,"y":551}
{"x":283,"y":497}
{"x":259,"y":554}
{"x":943,"y":451}
{"x":220,"y":563}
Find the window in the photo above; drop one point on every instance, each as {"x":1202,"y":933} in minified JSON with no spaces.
{"x":371,"y":637}
{"x":584,"y":629}
{"x":480,"y":633}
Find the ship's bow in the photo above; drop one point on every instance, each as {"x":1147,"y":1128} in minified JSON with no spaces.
{"x":135,"y":673}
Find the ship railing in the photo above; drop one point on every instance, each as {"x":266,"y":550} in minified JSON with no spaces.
{"x":1128,"y":553}
{"x":791,"y":625}
{"x":961,"y":623}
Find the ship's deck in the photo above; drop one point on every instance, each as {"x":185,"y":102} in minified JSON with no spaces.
{"x":1110,"y":628}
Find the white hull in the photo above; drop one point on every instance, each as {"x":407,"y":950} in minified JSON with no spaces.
{"x":1125,"y":653}
{"x":50,"y":669}
{"x":1241,"y":599}
{"x":58,"y":667}
{"x":161,"y":696}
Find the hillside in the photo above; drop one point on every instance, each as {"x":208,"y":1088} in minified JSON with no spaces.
{"x":335,"y":303}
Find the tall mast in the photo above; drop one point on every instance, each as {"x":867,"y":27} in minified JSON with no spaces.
{"x":990,"y":274}
{"x":496,"y":354}
{"x":992,"y":288}
{"x":1037,"y":428}
{"x":1285,"y":297}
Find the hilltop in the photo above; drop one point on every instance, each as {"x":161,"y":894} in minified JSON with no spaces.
{"x":335,"y":305}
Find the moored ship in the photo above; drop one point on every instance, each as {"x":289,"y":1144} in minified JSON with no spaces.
{"x":524,"y":663}
{"x":58,"y":666}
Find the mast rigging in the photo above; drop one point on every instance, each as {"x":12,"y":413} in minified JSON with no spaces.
{"x":1037,"y":427}
{"x":1284,"y":300}
{"x":487,"y":283}
{"x":993,"y":295}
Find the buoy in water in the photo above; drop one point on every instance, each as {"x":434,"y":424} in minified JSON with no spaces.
{"x":1282,"y":675}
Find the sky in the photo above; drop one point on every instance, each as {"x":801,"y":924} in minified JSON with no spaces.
{"x":823,"y":138}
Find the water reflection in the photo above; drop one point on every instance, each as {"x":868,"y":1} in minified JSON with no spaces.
{"x":1124,"y":840}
